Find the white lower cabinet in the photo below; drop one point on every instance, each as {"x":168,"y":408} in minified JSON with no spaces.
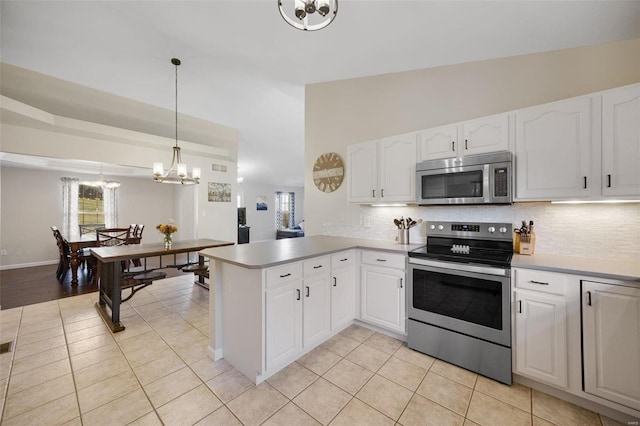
{"x":383,"y":296}
{"x":540,"y":324}
{"x":611,"y":339}
{"x":316,"y":310}
{"x":283,"y":308}
{"x":541,"y":341}
{"x":343,"y":297}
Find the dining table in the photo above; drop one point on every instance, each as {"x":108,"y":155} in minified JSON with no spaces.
{"x":110,"y":266}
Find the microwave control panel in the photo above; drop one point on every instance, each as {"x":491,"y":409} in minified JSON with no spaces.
{"x":500,"y":179}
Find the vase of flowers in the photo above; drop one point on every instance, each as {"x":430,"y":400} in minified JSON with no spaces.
{"x":167,"y":229}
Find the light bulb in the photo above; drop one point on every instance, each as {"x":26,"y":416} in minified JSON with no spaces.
{"x":182,"y":170}
{"x":196,"y":173}
{"x":158,"y":170}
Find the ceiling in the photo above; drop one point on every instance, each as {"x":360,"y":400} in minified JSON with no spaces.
{"x":244,"y":67}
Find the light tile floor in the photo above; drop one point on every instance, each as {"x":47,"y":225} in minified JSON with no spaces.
{"x":68,"y":368}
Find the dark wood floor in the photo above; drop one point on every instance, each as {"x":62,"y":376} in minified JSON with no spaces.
{"x":26,"y":286}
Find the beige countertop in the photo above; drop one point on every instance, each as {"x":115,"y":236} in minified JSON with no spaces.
{"x":264,"y":254}
{"x":604,"y":268}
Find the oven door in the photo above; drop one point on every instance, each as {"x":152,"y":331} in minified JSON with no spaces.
{"x":473,"y":300}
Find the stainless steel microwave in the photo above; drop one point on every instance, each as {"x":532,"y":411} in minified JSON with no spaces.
{"x":473,"y":179}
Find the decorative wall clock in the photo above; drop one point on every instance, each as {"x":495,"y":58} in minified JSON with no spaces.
{"x":328,"y":172}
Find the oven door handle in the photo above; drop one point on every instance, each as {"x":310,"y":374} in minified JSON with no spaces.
{"x":461,"y":267}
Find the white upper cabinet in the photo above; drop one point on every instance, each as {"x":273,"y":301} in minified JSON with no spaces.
{"x":621,"y":142}
{"x":553,"y":151}
{"x":362,"y":172}
{"x":398,"y":168}
{"x":439,"y":142}
{"x":383,"y":171}
{"x":481,"y":135}
{"x":487,"y":134}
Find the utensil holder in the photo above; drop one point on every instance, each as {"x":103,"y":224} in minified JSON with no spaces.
{"x":525,"y":244}
{"x":403,"y":236}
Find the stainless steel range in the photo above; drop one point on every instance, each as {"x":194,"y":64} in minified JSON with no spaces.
{"x":458,"y":296}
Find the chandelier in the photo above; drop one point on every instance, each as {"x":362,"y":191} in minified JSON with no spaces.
{"x":304,"y":17}
{"x":104,"y":183}
{"x":177,"y":172}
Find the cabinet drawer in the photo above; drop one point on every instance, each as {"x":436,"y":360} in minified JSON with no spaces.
{"x":316,"y":265}
{"x":345,"y":258}
{"x":381,"y":258}
{"x":282,"y":274}
{"x":542,"y":281}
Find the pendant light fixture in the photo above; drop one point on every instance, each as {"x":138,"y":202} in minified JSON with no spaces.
{"x":177,"y":173}
{"x":304,"y":13}
{"x":104,"y":183}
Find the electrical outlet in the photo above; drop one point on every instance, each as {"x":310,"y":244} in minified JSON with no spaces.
{"x":3,"y":252}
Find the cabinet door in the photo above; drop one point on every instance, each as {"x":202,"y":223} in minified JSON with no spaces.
{"x":362,"y":172}
{"x":541,"y":337}
{"x":439,"y":142}
{"x":621,"y":142}
{"x":553,"y":151}
{"x":398,"y":168}
{"x":343,"y":297}
{"x":316,"y":310}
{"x":487,"y":134}
{"x":383,"y":297}
{"x":283,"y":323}
{"x":611,"y":338}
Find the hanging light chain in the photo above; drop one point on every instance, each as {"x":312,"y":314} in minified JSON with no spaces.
{"x":176,"y":62}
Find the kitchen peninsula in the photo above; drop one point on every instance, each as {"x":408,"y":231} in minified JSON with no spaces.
{"x":260,"y":291}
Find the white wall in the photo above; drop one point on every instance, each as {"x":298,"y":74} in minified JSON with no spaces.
{"x":584,"y":230}
{"x":374,"y":107}
{"x":263,"y":223}
{"x":32,"y":203}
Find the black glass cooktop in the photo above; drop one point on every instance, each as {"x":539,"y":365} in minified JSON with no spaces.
{"x":494,"y":253}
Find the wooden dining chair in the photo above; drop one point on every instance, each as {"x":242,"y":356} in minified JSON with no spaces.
{"x":64,"y":263}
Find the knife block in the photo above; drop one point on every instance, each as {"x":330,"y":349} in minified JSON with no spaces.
{"x":525,"y":245}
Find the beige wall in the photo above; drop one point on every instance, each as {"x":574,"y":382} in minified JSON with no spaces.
{"x":32,"y":203}
{"x":344,"y":112}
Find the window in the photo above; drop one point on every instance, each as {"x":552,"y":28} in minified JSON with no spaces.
{"x":285,"y":210}
{"x":90,"y":205}
{"x":87,"y":204}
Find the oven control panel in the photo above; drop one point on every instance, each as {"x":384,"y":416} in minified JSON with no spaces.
{"x":477,"y":230}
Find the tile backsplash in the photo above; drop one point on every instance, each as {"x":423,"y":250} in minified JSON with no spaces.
{"x":584,"y":230}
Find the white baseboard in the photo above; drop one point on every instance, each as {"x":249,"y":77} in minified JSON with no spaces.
{"x":28,"y":265}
